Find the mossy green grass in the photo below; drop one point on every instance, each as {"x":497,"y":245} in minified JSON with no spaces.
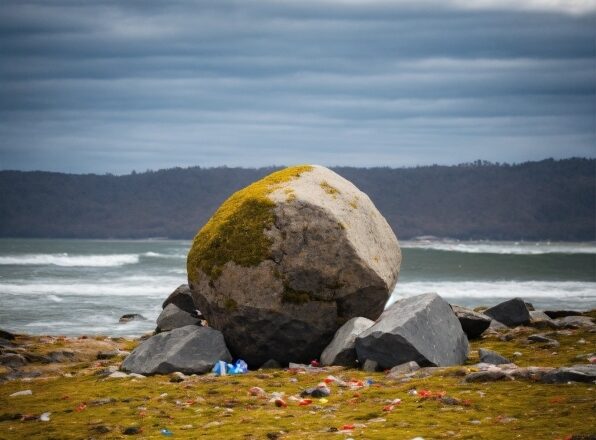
{"x":221,"y":407}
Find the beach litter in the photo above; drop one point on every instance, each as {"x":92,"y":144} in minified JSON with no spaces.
{"x":22,"y":393}
{"x":45,"y":417}
{"x":166,"y":432}
{"x":222,"y":368}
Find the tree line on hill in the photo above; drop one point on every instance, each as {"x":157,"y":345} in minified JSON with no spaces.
{"x":545,"y":200}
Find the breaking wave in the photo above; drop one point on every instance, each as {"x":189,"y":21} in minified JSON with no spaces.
{"x":66,"y":260}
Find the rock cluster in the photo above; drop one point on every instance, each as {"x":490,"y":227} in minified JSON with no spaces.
{"x":285,"y":261}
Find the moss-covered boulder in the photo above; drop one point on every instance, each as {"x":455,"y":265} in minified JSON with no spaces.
{"x":284,"y":262}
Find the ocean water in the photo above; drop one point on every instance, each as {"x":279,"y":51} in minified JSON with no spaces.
{"x":74,"y":287}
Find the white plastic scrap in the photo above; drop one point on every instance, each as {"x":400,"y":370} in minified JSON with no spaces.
{"x":22,"y":393}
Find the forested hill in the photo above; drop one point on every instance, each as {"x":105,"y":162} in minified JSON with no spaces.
{"x":546,"y":200}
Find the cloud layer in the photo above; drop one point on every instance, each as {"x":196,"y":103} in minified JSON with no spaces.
{"x":117,"y":86}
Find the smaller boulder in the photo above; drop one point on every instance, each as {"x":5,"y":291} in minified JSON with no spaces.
{"x":542,"y":320}
{"x":576,"y":373}
{"x":341,"y":350}
{"x":487,"y":376}
{"x":473,"y":323}
{"x":512,"y":313}
{"x":370,"y":366}
{"x":131,"y":317}
{"x":174,"y":317}
{"x":405,"y":368}
{"x":190,"y":349}
{"x":12,"y":360}
{"x":492,"y":357}
{"x":421,"y":328}
{"x":7,"y":335}
{"x":182,"y":298}
{"x":554,"y":314}
{"x":575,"y":322}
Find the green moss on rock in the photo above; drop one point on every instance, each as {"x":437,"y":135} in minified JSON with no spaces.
{"x":236,"y":231}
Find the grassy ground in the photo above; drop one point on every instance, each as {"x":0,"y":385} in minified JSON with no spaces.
{"x":89,"y":406}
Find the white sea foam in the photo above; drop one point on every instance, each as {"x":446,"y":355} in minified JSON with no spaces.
{"x":493,"y":247}
{"x":574,"y":292}
{"x":160,"y":255}
{"x":66,"y":260}
{"x":157,"y":287}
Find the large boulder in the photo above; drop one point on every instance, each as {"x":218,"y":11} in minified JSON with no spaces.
{"x":342,"y":350}
{"x":174,"y":317}
{"x":422,"y":328}
{"x":512,"y":313}
{"x":190,"y":349}
{"x":284,"y":262}
{"x":473,"y":323}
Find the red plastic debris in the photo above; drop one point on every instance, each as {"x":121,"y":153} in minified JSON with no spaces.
{"x":305,"y":402}
{"x":280,"y":403}
{"x":347,"y":427}
{"x":427,"y":394}
{"x":81,"y":407}
{"x":315,"y":363}
{"x":388,"y":408}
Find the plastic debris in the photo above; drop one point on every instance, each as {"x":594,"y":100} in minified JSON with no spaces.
{"x":305,"y":402}
{"x":81,"y":407}
{"x":323,"y":401}
{"x":427,"y":394}
{"x":45,"y":417}
{"x":166,"y":432}
{"x":315,"y":363}
{"x":348,"y":427}
{"x":221,"y":368}
{"x":22,"y":393}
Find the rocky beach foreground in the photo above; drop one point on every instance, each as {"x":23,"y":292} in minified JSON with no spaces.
{"x":72,"y":388}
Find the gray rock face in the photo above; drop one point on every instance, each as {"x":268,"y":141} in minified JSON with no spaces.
{"x":542,"y":320}
{"x":190,"y":349}
{"x":182,"y":298}
{"x":12,"y":360}
{"x":174,"y":317}
{"x":421,"y":328}
{"x":576,"y":373}
{"x":492,"y":357}
{"x":331,"y":256}
{"x":473,"y":323}
{"x":342,"y":350}
{"x":400,"y":370}
{"x":575,"y":322}
{"x":512,"y":313}
{"x":487,"y":376}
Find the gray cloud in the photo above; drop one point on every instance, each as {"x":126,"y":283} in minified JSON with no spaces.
{"x":118,"y":86}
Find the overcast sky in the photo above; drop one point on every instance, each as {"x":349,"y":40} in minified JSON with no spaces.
{"x":114,"y":86}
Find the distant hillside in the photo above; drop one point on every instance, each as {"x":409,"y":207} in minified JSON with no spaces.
{"x":533,"y":201}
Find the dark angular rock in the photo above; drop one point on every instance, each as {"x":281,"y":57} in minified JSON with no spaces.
{"x":512,"y":313}
{"x":132,"y":430}
{"x":7,"y":335}
{"x":12,"y":360}
{"x":577,"y":373}
{"x":317,"y":392}
{"x":32,"y":357}
{"x":492,"y":357}
{"x":131,"y":317}
{"x":174,"y":317}
{"x":486,"y":376}
{"x":553,"y":314}
{"x":421,"y":328}
{"x":473,"y":323}
{"x":341,"y":350}
{"x":190,"y":349}
{"x":108,"y":354}
{"x":539,"y":338}
{"x":182,"y":298}
{"x":61,"y":356}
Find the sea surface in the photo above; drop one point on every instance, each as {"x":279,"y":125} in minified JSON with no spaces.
{"x":75,"y":287}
